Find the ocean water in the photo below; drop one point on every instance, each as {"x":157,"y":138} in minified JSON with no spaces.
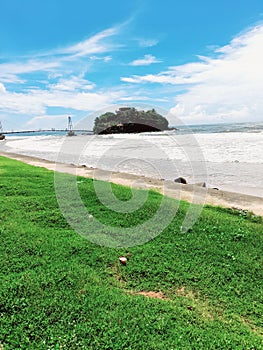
{"x":226,"y":156}
{"x":249,"y":127}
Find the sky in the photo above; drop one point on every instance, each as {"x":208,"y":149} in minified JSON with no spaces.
{"x":197,"y":61}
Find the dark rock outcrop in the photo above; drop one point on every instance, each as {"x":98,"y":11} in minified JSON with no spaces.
{"x":130,"y":120}
{"x":126,"y":128}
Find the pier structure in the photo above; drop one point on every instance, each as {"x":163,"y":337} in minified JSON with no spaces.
{"x":70,"y":127}
{"x":2,"y":136}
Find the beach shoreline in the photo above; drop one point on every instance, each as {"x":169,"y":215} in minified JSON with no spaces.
{"x":232,"y":162}
{"x":189,"y":192}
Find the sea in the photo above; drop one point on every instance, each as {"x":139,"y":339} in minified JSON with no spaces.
{"x":224,"y":156}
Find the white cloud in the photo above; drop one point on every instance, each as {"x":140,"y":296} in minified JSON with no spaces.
{"x":9,"y":72}
{"x":92,"y":45}
{"x":56,"y":79}
{"x":64,"y":59}
{"x":21,"y":103}
{"x":80,"y":101}
{"x":148,"y":42}
{"x":36,"y":101}
{"x":145,"y":61}
{"x":149,"y":78}
{"x":143,"y":98}
{"x":74,"y":83}
{"x":47,"y":122}
{"x":227,"y":87}
{"x":103,"y":58}
{"x":2,"y":88}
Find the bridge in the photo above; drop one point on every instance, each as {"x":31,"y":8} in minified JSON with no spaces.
{"x":52,"y":130}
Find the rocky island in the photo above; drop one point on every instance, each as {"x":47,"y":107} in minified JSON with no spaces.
{"x":129,"y":120}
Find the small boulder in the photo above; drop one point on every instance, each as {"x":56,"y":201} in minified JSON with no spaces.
{"x":181,"y":180}
{"x":201,"y":184}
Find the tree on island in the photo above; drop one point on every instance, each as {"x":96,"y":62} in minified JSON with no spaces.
{"x":129,"y":119}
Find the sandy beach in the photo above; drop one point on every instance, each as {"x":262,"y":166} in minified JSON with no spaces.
{"x":208,"y":196}
{"x":232,"y":161}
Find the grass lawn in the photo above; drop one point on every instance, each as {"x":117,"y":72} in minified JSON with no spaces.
{"x":60,"y":291}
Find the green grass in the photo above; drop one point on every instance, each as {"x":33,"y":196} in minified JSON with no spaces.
{"x":60,"y":291}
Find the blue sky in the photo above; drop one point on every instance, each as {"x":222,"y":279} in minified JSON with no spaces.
{"x":201,"y":61}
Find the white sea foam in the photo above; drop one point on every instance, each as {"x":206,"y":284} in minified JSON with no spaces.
{"x":229,"y":161}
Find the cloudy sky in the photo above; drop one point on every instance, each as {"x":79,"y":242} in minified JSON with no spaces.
{"x":201,"y":61}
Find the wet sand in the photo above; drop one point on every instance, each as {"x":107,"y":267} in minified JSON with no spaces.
{"x":189,"y":193}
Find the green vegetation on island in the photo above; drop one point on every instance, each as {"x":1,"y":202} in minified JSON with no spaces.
{"x":60,"y":291}
{"x":128,"y":119}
